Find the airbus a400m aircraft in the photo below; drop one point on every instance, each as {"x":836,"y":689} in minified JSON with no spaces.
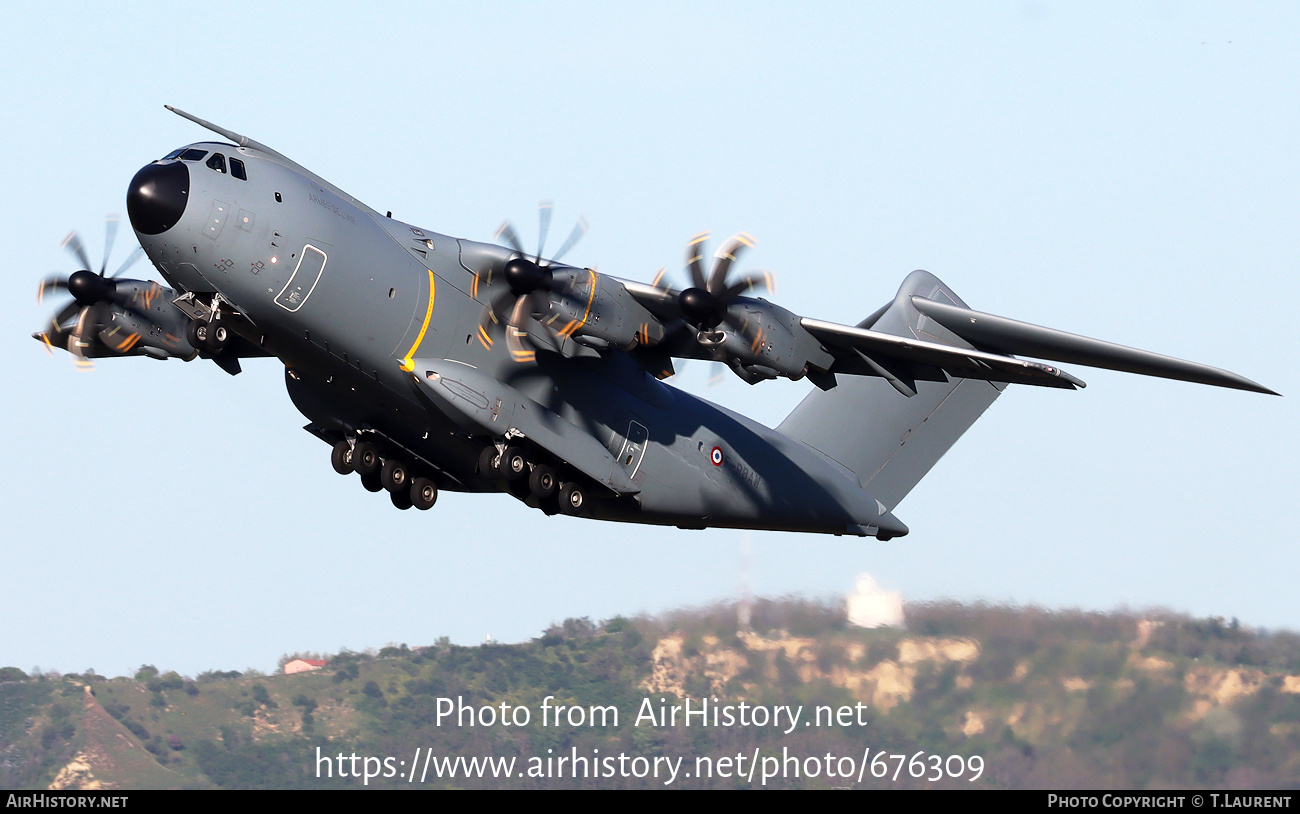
{"x":432,"y":363}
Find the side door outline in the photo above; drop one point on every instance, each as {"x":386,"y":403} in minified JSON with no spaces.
{"x":288,"y":298}
{"x":633,"y":451}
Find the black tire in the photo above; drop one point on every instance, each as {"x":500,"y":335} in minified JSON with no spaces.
{"x":424,"y":493}
{"x":218,"y":336}
{"x":395,"y":476}
{"x":542,"y":482}
{"x":401,"y":500}
{"x":192,"y":335}
{"x":514,"y":463}
{"x":487,"y":463}
{"x":341,"y":458}
{"x":572,"y":498}
{"x":365,"y":458}
{"x":371,"y":482}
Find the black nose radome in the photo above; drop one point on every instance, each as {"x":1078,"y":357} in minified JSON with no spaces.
{"x":157,"y":196}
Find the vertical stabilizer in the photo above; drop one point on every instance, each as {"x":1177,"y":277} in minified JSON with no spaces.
{"x":869,"y":424}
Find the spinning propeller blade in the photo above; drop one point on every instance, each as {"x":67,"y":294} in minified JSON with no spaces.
{"x":532,"y":281}
{"x":90,"y":290}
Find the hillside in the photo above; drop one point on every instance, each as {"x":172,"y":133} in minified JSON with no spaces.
{"x":968,"y":696}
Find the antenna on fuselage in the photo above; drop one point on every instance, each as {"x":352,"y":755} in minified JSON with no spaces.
{"x":242,"y":141}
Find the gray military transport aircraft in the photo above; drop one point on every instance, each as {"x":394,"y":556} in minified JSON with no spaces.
{"x":434,"y":363}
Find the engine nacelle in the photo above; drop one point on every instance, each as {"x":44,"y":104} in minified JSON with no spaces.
{"x":762,"y":340}
{"x":599,"y":310}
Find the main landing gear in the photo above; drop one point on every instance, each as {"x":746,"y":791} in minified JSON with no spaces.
{"x":406,"y":486}
{"x":529,"y":475}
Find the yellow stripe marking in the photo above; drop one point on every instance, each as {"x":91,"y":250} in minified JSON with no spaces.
{"x":484,"y":338}
{"x":575,"y":325}
{"x":590,"y":299}
{"x":408,"y":363}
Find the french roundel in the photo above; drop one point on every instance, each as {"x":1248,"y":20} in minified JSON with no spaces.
{"x":716,"y":456}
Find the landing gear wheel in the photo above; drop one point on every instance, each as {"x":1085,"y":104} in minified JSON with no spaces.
{"x":371,"y":482}
{"x":394,"y":476}
{"x":542,"y":482}
{"x":487,"y":463}
{"x":514,"y":463}
{"x":218,"y":336}
{"x":572,"y":498}
{"x":365,"y":458}
{"x":401,"y":500}
{"x":341,"y":458}
{"x":424,"y":493}
{"x":196,"y":333}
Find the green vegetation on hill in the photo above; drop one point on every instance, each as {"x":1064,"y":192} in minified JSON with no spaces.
{"x":1034,"y":698}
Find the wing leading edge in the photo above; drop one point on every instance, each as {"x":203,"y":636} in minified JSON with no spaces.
{"x":1003,"y":335}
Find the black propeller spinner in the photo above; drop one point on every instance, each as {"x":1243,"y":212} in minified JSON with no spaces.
{"x":704,"y":304}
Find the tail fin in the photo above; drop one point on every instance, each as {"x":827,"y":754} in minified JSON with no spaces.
{"x":890,"y":441}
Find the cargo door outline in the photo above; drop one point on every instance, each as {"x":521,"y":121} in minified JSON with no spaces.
{"x":311,"y":264}
{"x":633,"y":450}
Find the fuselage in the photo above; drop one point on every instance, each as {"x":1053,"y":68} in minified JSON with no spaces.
{"x":351,"y":300}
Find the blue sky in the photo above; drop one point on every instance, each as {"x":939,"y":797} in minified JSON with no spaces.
{"x":1126,"y":171}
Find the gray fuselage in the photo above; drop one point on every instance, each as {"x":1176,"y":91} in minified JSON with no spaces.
{"x":351,"y":300}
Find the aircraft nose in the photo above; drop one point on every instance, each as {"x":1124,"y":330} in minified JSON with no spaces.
{"x":157,"y":196}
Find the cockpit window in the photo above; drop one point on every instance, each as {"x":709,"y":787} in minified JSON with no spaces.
{"x":173,"y":154}
{"x":237,"y":169}
{"x":217,"y":162}
{"x":193,"y":155}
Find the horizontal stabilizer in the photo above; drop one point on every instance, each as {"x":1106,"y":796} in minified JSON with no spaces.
{"x":1002,"y":335}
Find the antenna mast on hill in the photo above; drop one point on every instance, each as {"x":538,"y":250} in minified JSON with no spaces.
{"x":745,"y":608}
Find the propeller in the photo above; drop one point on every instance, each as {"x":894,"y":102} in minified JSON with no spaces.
{"x":530,"y":282}
{"x":705,"y":304}
{"x":90,"y":292}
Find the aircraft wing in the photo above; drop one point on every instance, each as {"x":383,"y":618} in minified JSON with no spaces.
{"x":902,"y":360}
{"x":925,"y":334}
{"x":1004,"y":335}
